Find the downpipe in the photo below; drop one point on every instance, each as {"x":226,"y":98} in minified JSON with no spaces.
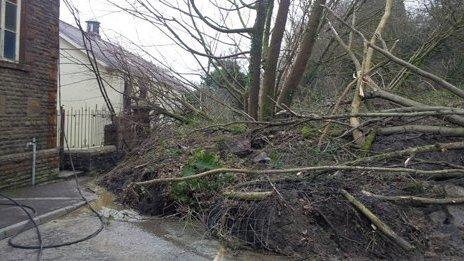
{"x":33,"y":143}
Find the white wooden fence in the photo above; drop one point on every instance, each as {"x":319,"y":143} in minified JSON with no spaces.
{"x":83,"y":127}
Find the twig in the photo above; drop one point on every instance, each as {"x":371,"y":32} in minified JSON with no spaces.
{"x":315,"y":117}
{"x":377,"y":222}
{"x":363,"y":124}
{"x":247,"y":196}
{"x":450,"y":87}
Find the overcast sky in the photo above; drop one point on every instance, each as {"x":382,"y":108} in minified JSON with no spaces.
{"x":118,"y":26}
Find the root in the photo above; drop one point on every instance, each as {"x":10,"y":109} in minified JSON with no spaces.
{"x":416,"y":200}
{"x":377,"y":222}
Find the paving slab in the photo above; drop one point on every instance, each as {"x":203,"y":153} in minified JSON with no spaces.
{"x":43,"y":199}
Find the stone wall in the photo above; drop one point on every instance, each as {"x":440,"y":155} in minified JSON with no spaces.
{"x":28,"y":91}
{"x":16,"y":169}
{"x":98,"y":159}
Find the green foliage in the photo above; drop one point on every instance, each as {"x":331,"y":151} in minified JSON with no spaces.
{"x":276,"y":160}
{"x":227,"y":82}
{"x":227,"y":70}
{"x":326,"y":152}
{"x":306,"y":132}
{"x":185,"y":192}
{"x":173,"y":152}
{"x":367,"y":145}
{"x":238,"y":128}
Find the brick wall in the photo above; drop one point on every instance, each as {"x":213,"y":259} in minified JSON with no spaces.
{"x":28,"y":92}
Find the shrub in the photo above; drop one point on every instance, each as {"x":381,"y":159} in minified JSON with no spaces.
{"x":187,"y":192}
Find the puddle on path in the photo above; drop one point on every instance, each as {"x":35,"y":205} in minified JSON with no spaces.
{"x":104,"y":199}
{"x":195,"y":238}
{"x":189,"y":236}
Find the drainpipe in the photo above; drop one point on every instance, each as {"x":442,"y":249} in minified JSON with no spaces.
{"x":34,"y":154}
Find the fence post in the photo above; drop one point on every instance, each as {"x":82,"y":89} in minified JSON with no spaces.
{"x":62,"y":133}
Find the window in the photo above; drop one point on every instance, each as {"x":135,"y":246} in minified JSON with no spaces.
{"x":10,"y":13}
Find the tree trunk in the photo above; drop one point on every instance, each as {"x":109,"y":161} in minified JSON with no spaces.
{"x":267,"y":27}
{"x":255,"y":59}
{"x":266,"y":103}
{"x":304,"y":53}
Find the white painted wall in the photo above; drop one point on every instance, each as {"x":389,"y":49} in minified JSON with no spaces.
{"x":79,"y":87}
{"x":78,"y":90}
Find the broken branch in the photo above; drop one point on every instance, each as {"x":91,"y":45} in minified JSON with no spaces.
{"x":305,"y":169}
{"x":416,"y":200}
{"x":377,"y":222}
{"x":439,"y":130}
{"x":247,"y":196}
{"x":410,"y":151}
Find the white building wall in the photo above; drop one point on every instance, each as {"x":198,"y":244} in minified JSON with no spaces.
{"x":78,"y":86}
{"x":80,"y":95}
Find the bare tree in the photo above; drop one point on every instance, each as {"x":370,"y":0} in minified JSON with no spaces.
{"x":304,"y":52}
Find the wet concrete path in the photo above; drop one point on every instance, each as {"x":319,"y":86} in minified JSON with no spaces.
{"x":125,"y":237}
{"x":43,"y":198}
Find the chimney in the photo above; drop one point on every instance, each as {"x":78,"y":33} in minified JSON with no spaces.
{"x":93,"y":28}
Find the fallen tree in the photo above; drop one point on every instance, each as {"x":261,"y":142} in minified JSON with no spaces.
{"x":274,"y":184}
{"x":440,"y":130}
{"x":442,"y":172}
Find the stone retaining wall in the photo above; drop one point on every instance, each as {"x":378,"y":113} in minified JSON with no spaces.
{"x":16,"y":169}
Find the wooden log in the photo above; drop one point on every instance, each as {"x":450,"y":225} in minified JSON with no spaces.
{"x":439,"y":130}
{"x":416,"y":200}
{"x":379,"y":93}
{"x":377,"y":222}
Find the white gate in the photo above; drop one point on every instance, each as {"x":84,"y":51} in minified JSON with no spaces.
{"x":84,"y":127}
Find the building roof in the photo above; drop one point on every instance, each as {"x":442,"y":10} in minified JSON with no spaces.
{"x":115,"y":57}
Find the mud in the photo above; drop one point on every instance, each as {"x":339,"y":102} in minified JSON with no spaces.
{"x":307,"y":217}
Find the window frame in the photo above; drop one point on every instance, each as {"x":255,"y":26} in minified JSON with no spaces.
{"x":3,"y":29}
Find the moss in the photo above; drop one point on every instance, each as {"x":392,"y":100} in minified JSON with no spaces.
{"x":367,"y":145}
{"x":306,"y":132}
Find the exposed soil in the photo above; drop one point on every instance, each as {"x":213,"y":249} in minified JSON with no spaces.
{"x":306,"y":217}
